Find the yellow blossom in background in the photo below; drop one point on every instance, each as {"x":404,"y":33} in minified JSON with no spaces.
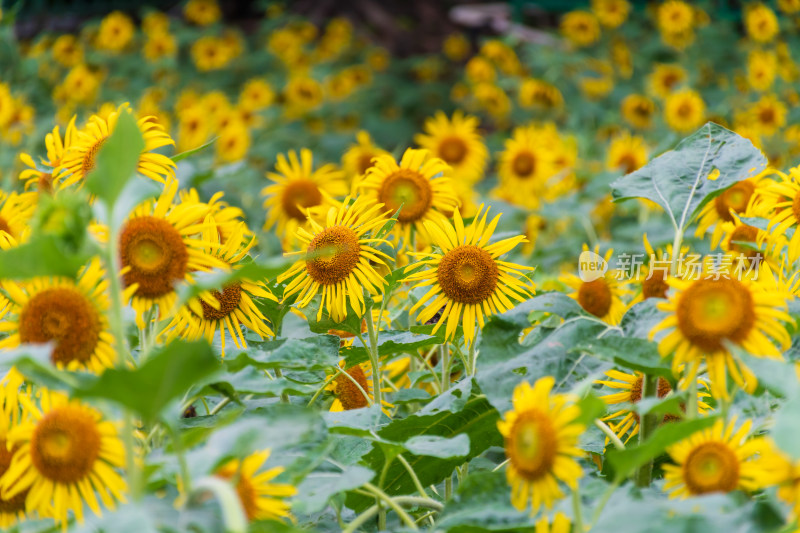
{"x":202,"y":12}
{"x":116,"y":32}
{"x":761,"y":23}
{"x":580,"y":27}
{"x":67,"y":50}
{"x":684,"y":111}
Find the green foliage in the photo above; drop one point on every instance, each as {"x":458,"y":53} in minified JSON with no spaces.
{"x":116,"y":160}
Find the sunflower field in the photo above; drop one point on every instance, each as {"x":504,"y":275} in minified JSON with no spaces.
{"x":277,"y":267}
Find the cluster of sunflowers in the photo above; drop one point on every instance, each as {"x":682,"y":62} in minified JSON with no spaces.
{"x":260,"y":281}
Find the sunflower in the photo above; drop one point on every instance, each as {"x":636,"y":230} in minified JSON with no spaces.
{"x":627,"y":153}
{"x":67,"y":50}
{"x":762,"y":67}
{"x":467,"y":279}
{"x":159,"y":45}
{"x":630,"y":392}
{"x":717,"y":459}
{"x":210,"y":53}
{"x":233,"y":142}
{"x":761,"y":23}
{"x":56,"y":148}
{"x":72,"y":314}
{"x":541,"y":443}
{"x":675,"y":16}
{"x":560,"y":523}
{"x":66,"y":455}
{"x":601,"y":297}
{"x":456,"y":47}
{"x":539,"y":94}
{"x":768,"y":115}
{"x":351,"y":385}
{"x":155,"y":22}
{"x":780,"y":203}
{"x":116,"y":32}
{"x":580,"y":27}
{"x":710,"y":311}
{"x":260,"y":498}
{"x":527,"y":161}
{"x":338,"y":259}
{"x":194,"y":127}
{"x":6,"y":105}
{"x":358,"y":158}
{"x":789,"y":7}
{"x":732,"y":202}
{"x":229,"y":308}
{"x":665,"y":78}
{"x":413,"y":185}
{"x":16,"y":210}
{"x":12,"y":510}
{"x":256,"y":94}
{"x":638,"y":110}
{"x":653,"y":276}
{"x":302,"y":94}
{"x":227,"y":218}
{"x":684,"y":110}
{"x":480,"y":70}
{"x":202,"y":12}
{"x":79,"y":158}
{"x":611,"y":13}
{"x":742,"y":242}
{"x":159,"y":245}
{"x":80,"y":85}
{"x":296,"y":188}
{"x":457,"y":142}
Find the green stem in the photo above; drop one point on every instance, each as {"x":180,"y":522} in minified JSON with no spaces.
{"x":444,"y":360}
{"x":603,"y":501}
{"x":374,"y":358}
{"x":610,"y":434}
{"x":177,"y":445}
{"x":284,"y":396}
{"x":404,"y":516}
{"x":691,"y":406}
{"x":322,"y":388}
{"x":577,"y":518}
{"x":473,"y":359}
{"x":646,"y":426}
{"x":413,"y":475}
{"x":401,"y":500}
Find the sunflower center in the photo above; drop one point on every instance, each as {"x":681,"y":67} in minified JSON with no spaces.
{"x":735,"y":198}
{"x":332,"y":255}
{"x":348,"y":393}
{"x":711,"y":310}
{"x":245,"y":491}
{"x":65,"y":445}
{"x":628,"y":163}
{"x":17,"y":503}
{"x":685,"y":110}
{"x":655,"y":286}
{"x":532,"y":447}
{"x":45,"y":183}
{"x":767,"y":116}
{"x":364,"y":163}
{"x":65,"y":316}
{"x":155,"y":254}
{"x":743,"y":233}
{"x":91,"y":155}
{"x":468,"y":274}
{"x":410,"y":189}
{"x":4,"y":226}
{"x":228,"y":300}
{"x":299,"y":195}
{"x":711,"y":467}
{"x":524,"y":164}
{"x":595,"y":297}
{"x":453,"y":150}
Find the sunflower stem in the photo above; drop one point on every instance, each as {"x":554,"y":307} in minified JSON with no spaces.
{"x":284,"y":396}
{"x":374,"y":358}
{"x":618,"y":444}
{"x":444,"y":360}
{"x":473,"y":359}
{"x":577,"y":518}
{"x":603,"y":501}
{"x":646,"y":427}
{"x":691,"y":406}
{"x":177,"y":445}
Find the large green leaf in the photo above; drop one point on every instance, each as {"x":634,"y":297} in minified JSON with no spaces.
{"x":42,"y":255}
{"x":315,"y":353}
{"x":636,"y":354}
{"x":702,"y":165}
{"x":318,"y":487}
{"x":117,"y":160}
{"x":786,"y":432}
{"x":162,"y":379}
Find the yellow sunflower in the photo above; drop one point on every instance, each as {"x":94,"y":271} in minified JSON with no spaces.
{"x":338,"y":259}
{"x":194,"y":127}
{"x":227,"y":218}
{"x":12,"y":510}
{"x":638,"y":110}
{"x":601,"y":297}
{"x":420,"y":184}
{"x":256,"y":94}
{"x":675,"y":16}
{"x":780,"y":203}
{"x":717,"y":459}
{"x":159,"y":245}
{"x":627,"y":153}
{"x":653,"y":275}
{"x":67,"y":50}
{"x":732,"y":202}
{"x":210,"y":53}
{"x":466,"y":277}
{"x":79,"y":158}
{"x":611,"y":13}
{"x":761,"y":23}
{"x":624,"y":422}
{"x":159,"y":45}
{"x":706,"y":313}
{"x":768,"y":115}
{"x":527,"y":161}
{"x":56,"y":148}
{"x":230,"y":308}
{"x":296,"y":188}
{"x":359,"y":157}
{"x":116,"y":32}
{"x":66,"y":456}
{"x":72,"y":314}
{"x":539,"y":94}
{"x":665,"y":78}
{"x":202,"y":12}
{"x":762,"y":67}
{"x":260,"y":497}
{"x":560,"y":523}
{"x":351,"y":385}
{"x":457,"y":142}
{"x":580,"y":27}
{"x":16,"y":210}
{"x":302,"y":94}
{"x":233,"y":142}
{"x":684,"y":111}
{"x":541,"y":443}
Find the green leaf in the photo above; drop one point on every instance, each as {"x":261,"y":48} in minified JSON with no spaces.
{"x":441,"y":447}
{"x":314,"y":353}
{"x":183,"y":155}
{"x":117,"y":160}
{"x":391,"y":343}
{"x":625,"y":462}
{"x":359,"y":422}
{"x":42,"y":255}
{"x":218,"y":279}
{"x":636,"y":354}
{"x":591,"y":408}
{"x":681,"y":180}
{"x":318,"y":487}
{"x":163,"y":378}
{"x":786,"y":432}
